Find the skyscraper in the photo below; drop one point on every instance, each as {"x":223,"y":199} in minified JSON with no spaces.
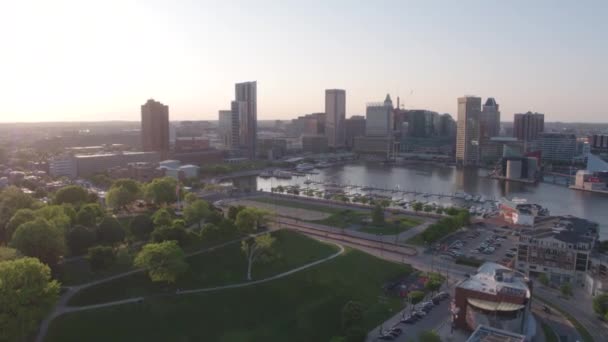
{"x":489,"y":121}
{"x":155,"y":127}
{"x":335,"y":114}
{"x":247,"y":108}
{"x":528,"y":126}
{"x":467,"y":140}
{"x":379,"y":118}
{"x":229,"y":129}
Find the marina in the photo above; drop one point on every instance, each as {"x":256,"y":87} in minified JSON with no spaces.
{"x":439,"y":185}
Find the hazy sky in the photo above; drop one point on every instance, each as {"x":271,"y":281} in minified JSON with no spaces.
{"x":100,"y":60}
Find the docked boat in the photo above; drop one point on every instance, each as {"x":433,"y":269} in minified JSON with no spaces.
{"x":304,"y":167}
{"x":266,"y":174}
{"x":281,"y":174}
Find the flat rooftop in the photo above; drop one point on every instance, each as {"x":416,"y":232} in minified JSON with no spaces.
{"x":496,"y":279}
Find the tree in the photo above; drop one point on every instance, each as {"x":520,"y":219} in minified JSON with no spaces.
{"x":141,"y":226}
{"x":416,"y":297}
{"x":71,"y":194}
{"x":162,"y":190}
{"x":427,"y":208}
{"x":132,"y":186}
{"x":110,"y":231}
{"x":233,"y":211}
{"x":119,"y":197}
{"x":170,"y":233}
{"x":190,"y":197}
{"x":164,"y":261}
{"x":58,"y":215}
{"x":196,"y":211}
{"x":11,"y":200}
{"x":255,"y":248}
{"x":433,"y":284}
{"x":162,"y":217}
{"x":80,"y":238}
{"x":417,"y":206}
{"x":7,"y":253}
{"x":101,"y":180}
{"x":439,"y":210}
{"x":428,"y":336}
{"x":600,"y":305}
{"x":41,"y":240}
{"x":566,"y":289}
{"x":352,"y":314}
{"x":101,"y":257}
{"x":249,"y":220}
{"x":88,"y":214}
{"x":27,"y":294}
{"x":378,"y":215}
{"x":21,"y":216}
{"x":543,"y":279}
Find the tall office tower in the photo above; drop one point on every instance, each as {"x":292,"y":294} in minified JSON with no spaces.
{"x":247,"y":108}
{"x":447,"y":126}
{"x":229,"y":129}
{"x":467,"y":139}
{"x":354,"y":127}
{"x":335,"y":114}
{"x":528,"y":126}
{"x":379,"y":118}
{"x":155,"y":127}
{"x":489,"y":121}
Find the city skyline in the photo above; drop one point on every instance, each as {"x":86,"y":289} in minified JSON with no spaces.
{"x":542,"y":57}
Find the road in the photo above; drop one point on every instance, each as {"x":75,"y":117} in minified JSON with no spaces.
{"x":580,"y":307}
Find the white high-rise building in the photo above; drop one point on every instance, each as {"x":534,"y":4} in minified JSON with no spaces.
{"x":379,"y":118}
{"x":335,"y":114}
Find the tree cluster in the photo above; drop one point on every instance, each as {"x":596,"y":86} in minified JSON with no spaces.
{"x":445,"y":226}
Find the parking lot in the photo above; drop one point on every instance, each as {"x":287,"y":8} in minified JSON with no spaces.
{"x":484,"y":242}
{"x":434,"y":317}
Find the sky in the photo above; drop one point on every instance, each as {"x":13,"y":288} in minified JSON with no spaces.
{"x":93,"y":60}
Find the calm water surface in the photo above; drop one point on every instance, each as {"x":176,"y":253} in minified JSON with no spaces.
{"x":447,"y":180}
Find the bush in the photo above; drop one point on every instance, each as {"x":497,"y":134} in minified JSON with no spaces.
{"x":101,"y":257}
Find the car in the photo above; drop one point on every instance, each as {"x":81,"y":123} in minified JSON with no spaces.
{"x":443,"y":294}
{"x":409,"y":319}
{"x":396,"y":329}
{"x":514,"y":249}
{"x":474,"y":251}
{"x":419,"y":313}
{"x":386,"y":337}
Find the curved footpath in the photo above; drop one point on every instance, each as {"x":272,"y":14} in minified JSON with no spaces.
{"x":62,"y":307}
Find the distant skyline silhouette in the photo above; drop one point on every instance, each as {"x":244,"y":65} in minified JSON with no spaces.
{"x":95,"y":60}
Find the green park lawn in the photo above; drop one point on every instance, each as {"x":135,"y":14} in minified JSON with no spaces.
{"x":295,"y":204}
{"x":223,"y":266}
{"x":392,"y":226}
{"x":78,"y":271}
{"x":304,"y":306}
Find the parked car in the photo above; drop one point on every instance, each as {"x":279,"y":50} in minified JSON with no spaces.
{"x":387,"y":337}
{"x":409,"y":319}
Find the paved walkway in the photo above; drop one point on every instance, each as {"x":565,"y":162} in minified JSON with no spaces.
{"x":62,"y":307}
